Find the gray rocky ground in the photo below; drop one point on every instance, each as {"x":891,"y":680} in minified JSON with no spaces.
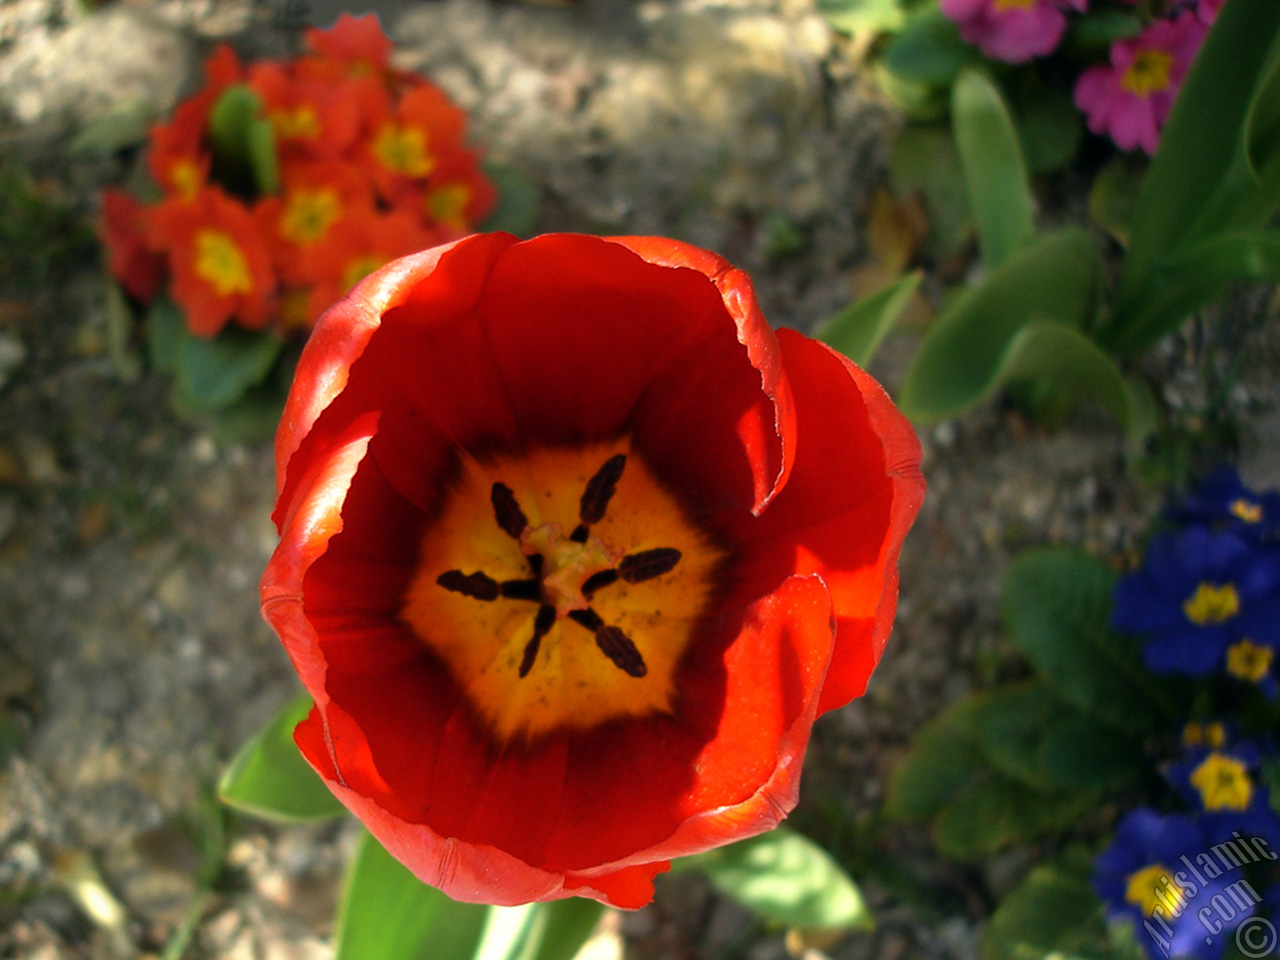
{"x":132,"y":657}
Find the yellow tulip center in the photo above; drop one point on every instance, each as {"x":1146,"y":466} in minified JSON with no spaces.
{"x":1212,"y":603}
{"x":1223,"y":783}
{"x":561,"y":589}
{"x":1148,"y":73}
{"x":1153,"y":886}
{"x":221,"y":262}
{"x":1002,"y":5}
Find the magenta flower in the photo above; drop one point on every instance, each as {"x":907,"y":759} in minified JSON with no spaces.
{"x":1011,"y":30}
{"x":1129,"y":100}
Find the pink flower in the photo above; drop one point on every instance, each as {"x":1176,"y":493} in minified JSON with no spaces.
{"x":1011,"y":30}
{"x":1130,"y":99}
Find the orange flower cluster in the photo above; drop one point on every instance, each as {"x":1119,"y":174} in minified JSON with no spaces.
{"x":372,"y":165}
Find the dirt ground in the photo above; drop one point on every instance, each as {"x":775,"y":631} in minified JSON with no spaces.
{"x":133,"y":659}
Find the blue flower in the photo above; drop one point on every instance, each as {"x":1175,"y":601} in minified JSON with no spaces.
{"x":1177,"y":881}
{"x":1225,"y":503}
{"x":1197,"y":593}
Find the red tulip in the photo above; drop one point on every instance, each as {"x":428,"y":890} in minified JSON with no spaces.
{"x":573,"y":551}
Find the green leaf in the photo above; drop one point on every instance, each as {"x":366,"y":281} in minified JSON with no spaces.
{"x":924,"y":159}
{"x":919,"y":102}
{"x":1095,"y":34}
{"x":244,"y":142}
{"x":929,"y":50}
{"x":1051,"y":912}
{"x":1057,"y":278}
{"x":123,"y":125}
{"x":387,"y":913}
{"x":1200,"y":179}
{"x":855,"y":16}
{"x":1203,"y":273}
{"x":518,"y":202}
{"x":994,"y":171}
{"x":945,"y":757}
{"x":1050,"y":127}
{"x":1111,"y":198}
{"x":268,"y":777}
{"x":212,"y":374}
{"x":564,"y":927}
{"x":1056,"y":604}
{"x":166,"y":332}
{"x":785,"y":877}
{"x":995,"y":811}
{"x":253,"y":419}
{"x":858,"y":329}
{"x":1074,"y":364}
{"x":1031,"y":736}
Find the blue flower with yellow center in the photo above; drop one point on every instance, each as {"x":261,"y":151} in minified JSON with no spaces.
{"x":1222,"y":781}
{"x":1224,"y":502}
{"x":1163,"y":874}
{"x":1198,"y":593}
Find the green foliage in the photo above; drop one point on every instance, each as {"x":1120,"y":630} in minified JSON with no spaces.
{"x":928,"y":50}
{"x":1049,"y":126}
{"x":1007,"y":765}
{"x":1056,"y":604}
{"x":994,"y":171}
{"x":123,"y":125}
{"x":858,"y":330}
{"x":976,"y":809}
{"x":388,"y":914}
{"x":1215,"y":176}
{"x":1026,"y":732}
{"x":1112,"y":196}
{"x":856,"y":16}
{"x":268,"y":777}
{"x":925,"y":160}
{"x":518,"y":202}
{"x":211,"y":375}
{"x":1198,"y":225}
{"x":786,"y":878}
{"x":243,"y":143}
{"x":37,"y":229}
{"x":1053,"y":912}
{"x":1056,"y":279}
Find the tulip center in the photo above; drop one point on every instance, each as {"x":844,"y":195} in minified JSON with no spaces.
{"x":561,"y":589}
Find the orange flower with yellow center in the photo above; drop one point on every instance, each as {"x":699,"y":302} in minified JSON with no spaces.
{"x":402,"y":149}
{"x":309,"y":213}
{"x":221,"y":262}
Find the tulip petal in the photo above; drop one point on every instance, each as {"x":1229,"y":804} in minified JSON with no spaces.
{"x":846,"y":508}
